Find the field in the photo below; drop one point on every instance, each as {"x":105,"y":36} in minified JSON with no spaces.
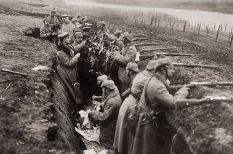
{"x":25,"y":104}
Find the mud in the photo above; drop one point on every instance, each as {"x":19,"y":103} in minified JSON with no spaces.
{"x":206,"y":128}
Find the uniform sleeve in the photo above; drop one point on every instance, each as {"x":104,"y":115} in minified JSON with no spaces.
{"x":44,"y":33}
{"x":66,"y":60}
{"x":78,"y":47}
{"x":159,"y":93}
{"x":130,"y":56}
{"x":105,"y":115}
{"x":111,"y":37}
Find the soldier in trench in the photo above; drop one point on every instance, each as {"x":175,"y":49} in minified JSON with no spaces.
{"x":126,"y":55}
{"x":67,"y":67}
{"x":108,"y":115}
{"x":125,"y":129}
{"x":153,"y":134}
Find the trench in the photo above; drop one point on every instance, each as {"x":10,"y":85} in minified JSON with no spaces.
{"x":64,"y":111}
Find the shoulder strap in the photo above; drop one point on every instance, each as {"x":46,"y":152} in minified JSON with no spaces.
{"x":147,"y":101}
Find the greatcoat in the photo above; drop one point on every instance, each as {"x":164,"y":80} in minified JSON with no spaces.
{"x":128,"y":54}
{"x":107,"y":118}
{"x":153,"y":133}
{"x":124,"y":136}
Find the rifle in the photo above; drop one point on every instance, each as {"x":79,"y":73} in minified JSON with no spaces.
{"x":156,"y":49}
{"x":14,"y":72}
{"x":197,"y":65}
{"x":147,"y":44}
{"x":209,"y":84}
{"x":185,"y":103}
{"x":143,"y":57}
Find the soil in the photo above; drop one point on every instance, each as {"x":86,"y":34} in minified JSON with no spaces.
{"x":27,"y":123}
{"x":26,"y":102}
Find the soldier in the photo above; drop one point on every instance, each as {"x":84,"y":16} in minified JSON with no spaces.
{"x":153,"y":133}
{"x":67,"y":67}
{"x":103,"y":27}
{"x":124,"y":129}
{"x":126,"y":55}
{"x":107,"y":117}
{"x":67,"y":26}
{"x":53,"y":20}
{"x":131,"y":70}
{"x":47,"y":33}
{"x":79,"y":43}
{"x":116,"y":38}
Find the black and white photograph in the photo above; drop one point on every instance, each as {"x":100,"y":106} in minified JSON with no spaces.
{"x":116,"y":77}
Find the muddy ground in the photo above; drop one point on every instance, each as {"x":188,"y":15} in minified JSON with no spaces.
{"x":25,"y":102}
{"x":26,"y":118}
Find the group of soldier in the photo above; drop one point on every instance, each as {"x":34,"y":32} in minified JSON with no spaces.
{"x":131,"y":111}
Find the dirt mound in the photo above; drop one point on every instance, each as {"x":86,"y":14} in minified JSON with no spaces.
{"x":26,"y":117}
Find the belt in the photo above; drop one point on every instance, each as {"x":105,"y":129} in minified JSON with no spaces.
{"x":134,"y":95}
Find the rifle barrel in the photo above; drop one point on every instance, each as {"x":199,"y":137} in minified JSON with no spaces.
{"x":156,"y":49}
{"x":209,"y":84}
{"x":197,"y":65}
{"x":14,"y":72}
{"x":147,"y":44}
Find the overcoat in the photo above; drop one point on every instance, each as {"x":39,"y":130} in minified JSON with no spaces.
{"x":128,"y":54}
{"x":153,"y":133}
{"x":107,"y":118}
{"x":67,"y":70}
{"x":124,"y":136}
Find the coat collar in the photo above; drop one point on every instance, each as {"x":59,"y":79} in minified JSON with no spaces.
{"x":109,"y":96}
{"x":162,"y":79}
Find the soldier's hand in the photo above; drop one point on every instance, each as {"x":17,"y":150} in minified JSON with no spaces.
{"x":184,"y":90}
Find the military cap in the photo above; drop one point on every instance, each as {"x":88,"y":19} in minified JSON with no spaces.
{"x":151,"y":65}
{"x":118,"y":32}
{"x":108,"y":84}
{"x":102,"y":23}
{"x":74,"y":19}
{"x":162,"y":62}
{"x":53,"y":10}
{"x":77,"y":29}
{"x":102,"y":78}
{"x":64,"y":16}
{"x":63,"y":34}
{"x":128,"y":36}
{"x":132,"y":66}
{"x":78,"y":35}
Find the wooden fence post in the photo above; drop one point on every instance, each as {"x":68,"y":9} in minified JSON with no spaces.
{"x":231,"y":39}
{"x":207,"y":29}
{"x":219,"y":28}
{"x":159,"y":22}
{"x":152,"y":19}
{"x":199,"y":28}
{"x":184,"y":28}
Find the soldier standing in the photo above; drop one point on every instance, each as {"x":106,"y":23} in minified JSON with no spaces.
{"x":126,"y":55}
{"x":153,"y":134}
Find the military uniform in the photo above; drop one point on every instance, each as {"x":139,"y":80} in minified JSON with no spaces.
{"x":68,"y":27}
{"x":108,"y":117}
{"x":123,"y":135}
{"x":153,"y":133}
{"x":45,"y":32}
{"x":128,"y":54}
{"x":67,"y":70}
{"x":52,"y":20}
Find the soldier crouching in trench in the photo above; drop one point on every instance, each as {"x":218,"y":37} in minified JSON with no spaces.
{"x":108,"y":116}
